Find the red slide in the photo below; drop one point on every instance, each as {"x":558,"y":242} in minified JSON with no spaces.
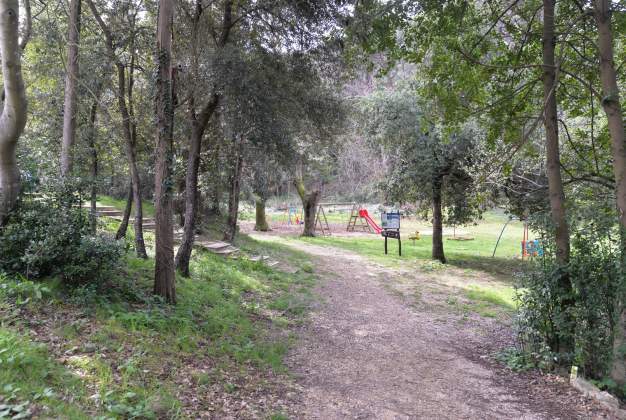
{"x":364,"y":214}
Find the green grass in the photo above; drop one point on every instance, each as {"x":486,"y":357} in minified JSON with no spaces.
{"x":502,"y":297}
{"x":473,"y":255}
{"x":30,"y":377}
{"x":117,"y":339}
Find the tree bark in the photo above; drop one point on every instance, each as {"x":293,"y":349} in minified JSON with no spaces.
{"x":553,"y":161}
{"x":615,"y":119}
{"x":71,"y":84}
{"x":261,"y":224}
{"x":555,"y":183}
{"x":309,"y":205}
{"x":121,"y":230}
{"x":130,"y":148}
{"x":437,"y":247}
{"x":93,"y":217}
{"x":164,"y":275}
{"x":13,"y":118}
{"x":198,"y":127}
{"x":233,"y":197}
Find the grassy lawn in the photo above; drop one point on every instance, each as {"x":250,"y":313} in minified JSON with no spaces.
{"x":113,"y":350}
{"x":473,"y":254}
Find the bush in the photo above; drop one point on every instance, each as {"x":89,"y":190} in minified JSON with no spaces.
{"x":544,"y":320}
{"x":49,"y":234}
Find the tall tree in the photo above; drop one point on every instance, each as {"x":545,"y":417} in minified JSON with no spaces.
{"x":70,"y":106}
{"x":553,"y":161}
{"x":130,"y":139}
{"x":13,"y":118}
{"x":553,"y":170}
{"x":310,"y":198}
{"x":164,"y":276}
{"x":199,"y":113}
{"x":615,"y":118}
{"x":427,"y":167}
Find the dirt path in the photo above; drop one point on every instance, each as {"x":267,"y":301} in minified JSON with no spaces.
{"x":367,"y":355}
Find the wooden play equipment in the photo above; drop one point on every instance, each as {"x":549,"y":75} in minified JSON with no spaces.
{"x":321,"y":222}
{"x":359,"y":222}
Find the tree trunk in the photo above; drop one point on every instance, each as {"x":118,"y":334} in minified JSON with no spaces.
{"x":164,"y":275}
{"x":261,"y":220}
{"x":198,"y":124}
{"x":131,"y":154}
{"x":121,"y":230}
{"x":615,"y":118}
{"x":94,"y":165}
{"x":555,"y":184}
{"x":128,"y":129}
{"x":13,"y":118}
{"x":309,"y":206}
{"x":233,"y":198}
{"x":437,"y":249}
{"x":71,"y":84}
{"x":183,"y":255}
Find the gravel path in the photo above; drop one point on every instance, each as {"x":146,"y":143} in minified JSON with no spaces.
{"x":367,"y":355}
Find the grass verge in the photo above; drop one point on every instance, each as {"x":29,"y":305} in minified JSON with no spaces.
{"x":114,"y":351}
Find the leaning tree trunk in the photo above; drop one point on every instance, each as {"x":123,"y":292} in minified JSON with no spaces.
{"x":13,"y":118}
{"x":309,"y":205}
{"x":183,"y":256}
{"x":121,"y":230}
{"x":260,"y":224}
{"x":615,"y":118}
{"x":233,"y":198}
{"x":564,"y":341}
{"x":164,"y":275}
{"x":437,"y":249}
{"x":198,"y":126}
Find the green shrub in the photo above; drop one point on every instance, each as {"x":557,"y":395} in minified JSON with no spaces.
{"x":50,"y":234}
{"x":22,"y":291}
{"x":586,"y":316}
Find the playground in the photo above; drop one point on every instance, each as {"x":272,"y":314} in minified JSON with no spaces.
{"x":358,"y":227}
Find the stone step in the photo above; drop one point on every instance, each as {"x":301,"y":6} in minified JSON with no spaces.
{"x":214,"y":246}
{"x":100,"y":208}
{"x":108,"y":213}
{"x":264,"y":259}
{"x":226,"y":251}
{"x":131,"y":220}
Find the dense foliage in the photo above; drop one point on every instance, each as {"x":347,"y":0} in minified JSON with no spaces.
{"x":50,"y":235}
